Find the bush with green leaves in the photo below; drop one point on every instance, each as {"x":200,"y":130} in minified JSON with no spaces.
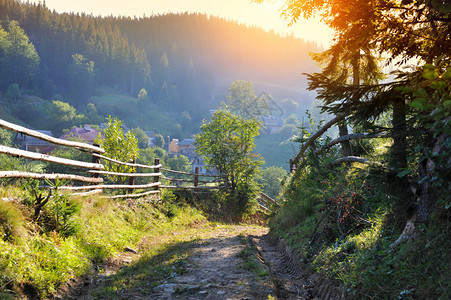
{"x":119,"y":147}
{"x":226,"y":143}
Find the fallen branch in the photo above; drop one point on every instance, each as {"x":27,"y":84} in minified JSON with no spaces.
{"x":348,"y":159}
{"x":353,"y":136}
{"x":357,"y":159}
{"x":313,"y":138}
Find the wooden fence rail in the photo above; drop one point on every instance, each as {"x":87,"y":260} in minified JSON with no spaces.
{"x":19,"y":129}
{"x":96,"y":169}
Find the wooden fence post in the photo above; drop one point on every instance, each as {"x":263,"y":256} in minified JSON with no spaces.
{"x":156,"y":170}
{"x":95,"y":160}
{"x":131,"y":180}
{"x":196,"y":177}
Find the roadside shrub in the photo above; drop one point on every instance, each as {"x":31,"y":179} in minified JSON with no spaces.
{"x":60,"y":215}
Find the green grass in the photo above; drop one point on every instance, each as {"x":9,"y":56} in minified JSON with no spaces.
{"x":134,"y":112}
{"x":5,"y":115}
{"x":274,"y":151}
{"x":360,"y":258}
{"x":36,"y":263}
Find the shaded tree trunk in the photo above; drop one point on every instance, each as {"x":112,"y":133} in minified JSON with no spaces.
{"x":398,"y":151}
{"x":345,"y":145}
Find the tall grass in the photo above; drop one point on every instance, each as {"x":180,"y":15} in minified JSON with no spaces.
{"x":36,"y":260}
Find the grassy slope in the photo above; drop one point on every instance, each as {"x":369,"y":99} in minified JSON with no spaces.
{"x":360,"y":256}
{"x":133,"y":112}
{"x":35,"y":259}
{"x":274,"y":151}
{"x":5,"y":115}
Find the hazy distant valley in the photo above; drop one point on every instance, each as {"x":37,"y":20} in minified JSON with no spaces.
{"x":162,"y":73}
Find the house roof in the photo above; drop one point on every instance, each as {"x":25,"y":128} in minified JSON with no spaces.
{"x":150,"y":133}
{"x":32,"y":141}
{"x":186,"y":142}
{"x":87,"y":134}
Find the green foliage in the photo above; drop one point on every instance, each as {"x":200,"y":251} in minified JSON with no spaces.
{"x":431,"y":102}
{"x":143,"y":139}
{"x":61,"y":213}
{"x":81,"y":78}
{"x":243,"y":102}
{"x":159,"y":140}
{"x":118,"y":146}
{"x":271,"y":180}
{"x":13,"y":92}
{"x":19,"y":59}
{"x":63,"y":116}
{"x":142,"y":94}
{"x":226,"y":144}
{"x":36,"y":265}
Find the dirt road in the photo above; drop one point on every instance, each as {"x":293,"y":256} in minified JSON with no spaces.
{"x":226,"y":262}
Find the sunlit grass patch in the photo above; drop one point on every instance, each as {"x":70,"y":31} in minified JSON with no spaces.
{"x":37,"y":262}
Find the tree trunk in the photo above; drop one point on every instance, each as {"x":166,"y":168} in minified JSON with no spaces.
{"x":398,"y":150}
{"x":345,"y":145}
{"x":426,"y":169}
{"x":400,"y":186}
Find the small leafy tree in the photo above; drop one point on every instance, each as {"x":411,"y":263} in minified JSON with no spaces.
{"x":142,"y":94}
{"x":227,"y":143}
{"x":243,"y":102}
{"x":141,"y":136}
{"x":118,"y":146}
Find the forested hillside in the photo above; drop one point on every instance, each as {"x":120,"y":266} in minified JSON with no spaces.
{"x":181,"y":64}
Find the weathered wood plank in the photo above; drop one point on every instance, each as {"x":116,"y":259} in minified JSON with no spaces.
{"x":267,"y":198}
{"x":125,"y":174}
{"x":44,"y":137}
{"x":48,"y":158}
{"x":87,"y":193}
{"x":192,"y":187}
{"x":134,"y":195}
{"x":186,"y":173}
{"x":20,"y":174}
{"x":124,"y":163}
{"x":110,"y":186}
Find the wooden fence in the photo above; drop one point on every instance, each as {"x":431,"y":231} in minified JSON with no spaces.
{"x":94,"y":183}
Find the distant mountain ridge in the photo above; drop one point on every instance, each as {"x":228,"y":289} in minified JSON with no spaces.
{"x":184,"y":62}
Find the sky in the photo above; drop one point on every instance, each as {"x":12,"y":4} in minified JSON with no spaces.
{"x":266,"y":15}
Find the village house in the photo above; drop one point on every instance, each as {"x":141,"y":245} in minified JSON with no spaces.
{"x":272,"y":124}
{"x":187,"y":147}
{"x":28,"y":143}
{"x":151,"y":135}
{"x":86,"y":134}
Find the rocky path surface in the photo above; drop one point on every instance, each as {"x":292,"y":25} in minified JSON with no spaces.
{"x":231,"y":262}
{"x":221,"y":267}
